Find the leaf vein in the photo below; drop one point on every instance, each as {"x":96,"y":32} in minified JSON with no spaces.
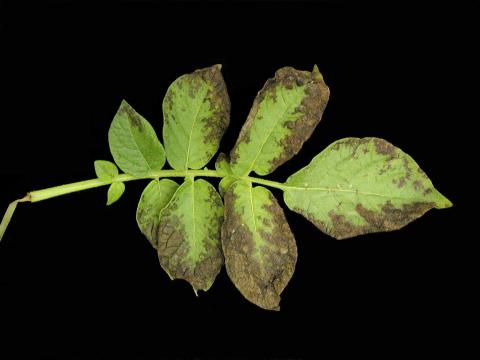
{"x":191,"y":131}
{"x":269,"y":133}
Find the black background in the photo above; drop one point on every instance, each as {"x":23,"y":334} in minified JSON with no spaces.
{"x":78,"y":279}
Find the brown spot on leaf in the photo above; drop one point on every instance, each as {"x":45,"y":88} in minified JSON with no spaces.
{"x":405,"y":178}
{"x":218,"y":101}
{"x":133,"y":117}
{"x":417,"y":185}
{"x":352,"y":143}
{"x":341,"y":228}
{"x":401,"y":182}
{"x":390,"y":218}
{"x":260,"y":274}
{"x":384,"y":147}
{"x":311,"y":110}
{"x":148,"y":228}
{"x":387,"y":219}
{"x":168,"y":100}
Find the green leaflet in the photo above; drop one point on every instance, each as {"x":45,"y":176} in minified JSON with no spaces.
{"x":258,"y":245}
{"x":133,"y":142}
{"x":196,"y":112}
{"x":357,"y":186}
{"x":283,"y":116}
{"x":154,"y":198}
{"x":105,"y":170}
{"x":188,"y":235}
{"x":115,"y":191}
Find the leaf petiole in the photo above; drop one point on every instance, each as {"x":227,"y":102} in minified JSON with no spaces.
{"x":274,"y":184}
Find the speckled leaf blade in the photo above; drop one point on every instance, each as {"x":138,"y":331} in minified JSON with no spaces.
{"x":188,"y":236}
{"x":358,"y":186}
{"x":196,"y":113}
{"x":154,"y":198}
{"x":105,"y":170}
{"x":283,"y":116}
{"x":133,"y":142}
{"x":115,"y":191}
{"x":258,"y":245}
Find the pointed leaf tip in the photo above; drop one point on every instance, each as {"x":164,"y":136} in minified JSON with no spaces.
{"x":442,"y":202}
{"x":317,"y":75}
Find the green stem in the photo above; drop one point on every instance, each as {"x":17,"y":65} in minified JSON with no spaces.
{"x":48,"y":193}
{"x":44,"y":194}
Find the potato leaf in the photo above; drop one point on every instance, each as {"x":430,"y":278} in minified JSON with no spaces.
{"x":188,"y":236}
{"x":258,"y":245}
{"x":196,"y":113}
{"x":154,"y":198}
{"x":358,"y":186}
{"x":283,"y":116}
{"x":133,"y":142}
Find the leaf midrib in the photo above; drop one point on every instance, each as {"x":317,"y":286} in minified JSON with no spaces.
{"x":130,"y":130}
{"x":193,"y":216}
{"x":353,"y":191}
{"x":253,"y":210}
{"x":191,"y":131}
{"x":250,"y":168}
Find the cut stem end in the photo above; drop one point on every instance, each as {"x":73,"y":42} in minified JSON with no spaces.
{"x":9,"y":213}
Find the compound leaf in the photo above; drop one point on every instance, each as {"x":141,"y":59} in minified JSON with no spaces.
{"x":115,"y":191}
{"x":196,"y":113}
{"x":105,"y":170}
{"x":133,"y":142}
{"x":155,"y":197}
{"x":358,"y":186}
{"x":283,"y":116}
{"x":258,"y":245}
{"x":188,"y":236}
